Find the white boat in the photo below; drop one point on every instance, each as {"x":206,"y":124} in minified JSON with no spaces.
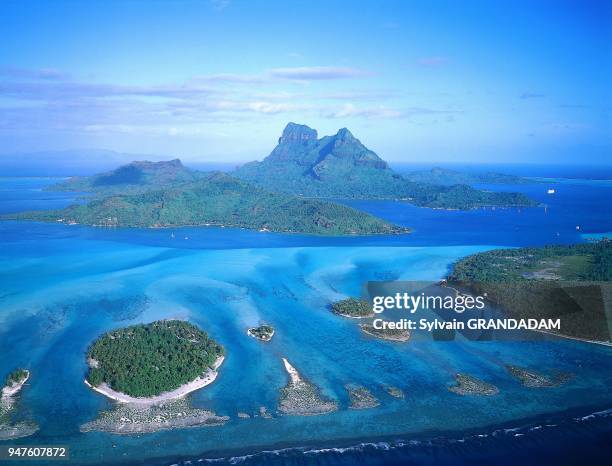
{"x":550,"y":191}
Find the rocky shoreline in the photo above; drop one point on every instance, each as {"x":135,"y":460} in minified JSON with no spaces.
{"x":261,"y":333}
{"x":361,"y":397}
{"x":386,"y":334}
{"x":468,"y":385}
{"x":395,"y":392}
{"x":532,"y":379}
{"x":302,"y":398}
{"x":137,"y":419}
{"x":8,"y":429}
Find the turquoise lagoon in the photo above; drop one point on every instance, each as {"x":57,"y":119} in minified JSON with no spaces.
{"x":61,"y":287}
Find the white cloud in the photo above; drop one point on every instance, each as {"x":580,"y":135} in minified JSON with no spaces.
{"x":306,"y":73}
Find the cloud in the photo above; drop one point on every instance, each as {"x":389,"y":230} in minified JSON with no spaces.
{"x":230,"y":78}
{"x":531,"y":95}
{"x":41,"y":73}
{"x":357,"y":94}
{"x":306,"y":73}
{"x":350,"y":110}
{"x":46,"y":91}
{"x":434,"y":61}
{"x":48,"y":101}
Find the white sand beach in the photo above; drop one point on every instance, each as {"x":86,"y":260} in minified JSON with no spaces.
{"x":293,"y":373}
{"x":180,"y":392}
{"x":13,"y":389}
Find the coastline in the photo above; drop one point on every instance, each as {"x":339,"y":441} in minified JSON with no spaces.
{"x":301,"y":398}
{"x":504,"y":431}
{"x":369,"y":316}
{"x":404,"y":337}
{"x":292,"y":371}
{"x":583,"y":340}
{"x":180,"y":392}
{"x":445,"y":284}
{"x":8,"y":392}
{"x":251,"y":334}
{"x":8,"y":429}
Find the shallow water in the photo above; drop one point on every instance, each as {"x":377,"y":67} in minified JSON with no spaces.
{"x":61,"y":287}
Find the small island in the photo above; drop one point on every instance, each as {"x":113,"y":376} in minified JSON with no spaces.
{"x":361,"y":397}
{"x":300,"y":397}
{"x":353,"y":308}
{"x":153,"y":363}
{"x":395,"y":392}
{"x":14,"y":382}
{"x":532,"y":379}
{"x":263,"y":332}
{"x":468,"y":385}
{"x":386,"y":333}
{"x":10,"y":430}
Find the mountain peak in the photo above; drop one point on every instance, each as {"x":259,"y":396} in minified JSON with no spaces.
{"x":297,"y":134}
{"x":344,"y":134}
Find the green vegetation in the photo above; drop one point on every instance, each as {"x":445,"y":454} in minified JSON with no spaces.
{"x":219,"y":199}
{"x":386,"y":333}
{"x":263,"y":332}
{"x":443,"y":176}
{"x":545,"y":282}
{"x":587,"y":261}
{"x":352,"y":307}
{"x":149,"y":359}
{"x":16,"y":376}
{"x":340,"y":166}
{"x":136,"y":177}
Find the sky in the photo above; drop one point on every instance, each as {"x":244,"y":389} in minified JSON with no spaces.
{"x":469,"y":81}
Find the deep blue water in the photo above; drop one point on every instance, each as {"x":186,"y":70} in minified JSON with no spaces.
{"x":61,"y":287}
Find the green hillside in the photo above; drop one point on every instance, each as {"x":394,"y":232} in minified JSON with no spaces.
{"x":572,"y":283}
{"x":445,"y":176}
{"x":132,"y":178}
{"x":218,"y":199}
{"x":340,"y":166}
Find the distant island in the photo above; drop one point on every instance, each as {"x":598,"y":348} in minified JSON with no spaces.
{"x":156,"y":199}
{"x":445,"y":176}
{"x":133,"y":178}
{"x":353,"y":307}
{"x":263,"y":332}
{"x":341,"y":167}
{"x":153,"y":363}
{"x":275,"y":195}
{"x":562,"y":281}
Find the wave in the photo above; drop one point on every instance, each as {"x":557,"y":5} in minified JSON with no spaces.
{"x":354,"y":454}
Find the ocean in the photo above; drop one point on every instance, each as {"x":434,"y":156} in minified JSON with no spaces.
{"x":62,"y":286}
